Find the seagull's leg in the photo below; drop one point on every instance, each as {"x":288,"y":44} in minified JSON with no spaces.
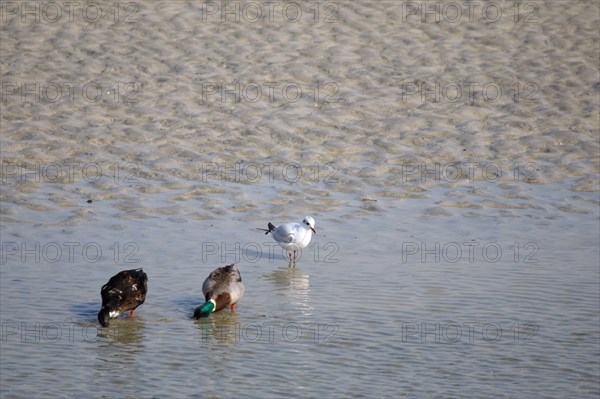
{"x":131,"y":313}
{"x":233,"y":307}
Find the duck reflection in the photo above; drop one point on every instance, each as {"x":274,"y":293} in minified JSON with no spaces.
{"x":221,"y":327}
{"x":126,"y":332}
{"x":117,"y":350}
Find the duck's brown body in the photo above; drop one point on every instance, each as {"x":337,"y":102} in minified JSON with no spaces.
{"x":125,"y":291}
{"x":223,"y":287}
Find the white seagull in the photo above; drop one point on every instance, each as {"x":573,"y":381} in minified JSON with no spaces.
{"x":293,"y":236}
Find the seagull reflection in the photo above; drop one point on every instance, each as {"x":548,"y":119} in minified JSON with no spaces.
{"x":293,"y":285}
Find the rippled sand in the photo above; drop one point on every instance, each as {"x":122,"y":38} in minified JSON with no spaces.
{"x":390,"y":131}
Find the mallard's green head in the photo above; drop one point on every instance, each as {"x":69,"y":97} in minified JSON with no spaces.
{"x":204,"y":310}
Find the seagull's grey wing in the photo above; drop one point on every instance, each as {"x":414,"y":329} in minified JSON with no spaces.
{"x":284,"y":233}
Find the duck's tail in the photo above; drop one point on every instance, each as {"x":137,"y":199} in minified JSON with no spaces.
{"x":205,"y":309}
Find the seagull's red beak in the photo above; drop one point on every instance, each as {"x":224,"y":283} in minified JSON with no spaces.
{"x":313,"y":230}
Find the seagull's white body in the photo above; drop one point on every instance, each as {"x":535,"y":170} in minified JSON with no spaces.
{"x":293,"y":236}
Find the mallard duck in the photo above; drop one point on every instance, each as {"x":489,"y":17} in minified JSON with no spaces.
{"x":222,"y":287}
{"x":125,"y":291}
{"x":293,"y":236}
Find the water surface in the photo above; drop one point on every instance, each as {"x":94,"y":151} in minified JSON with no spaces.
{"x":457,"y":247}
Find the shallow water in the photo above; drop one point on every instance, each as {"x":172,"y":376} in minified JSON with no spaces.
{"x":457,"y":247}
